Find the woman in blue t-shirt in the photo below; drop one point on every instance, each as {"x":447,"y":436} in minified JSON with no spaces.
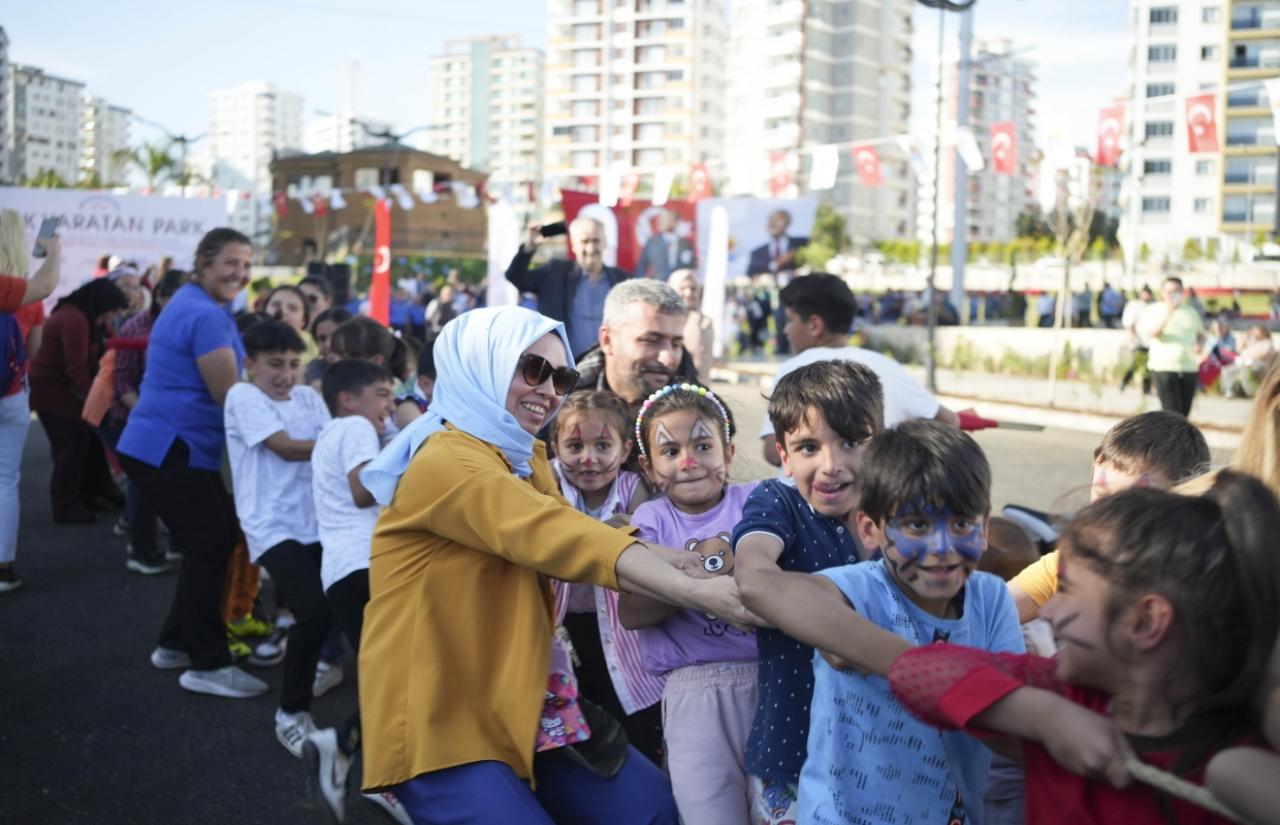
{"x":172,"y":449}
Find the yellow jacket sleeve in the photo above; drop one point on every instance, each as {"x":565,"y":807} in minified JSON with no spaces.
{"x":1039,"y":580}
{"x":463,"y":491}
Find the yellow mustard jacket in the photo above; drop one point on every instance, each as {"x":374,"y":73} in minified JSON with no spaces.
{"x":456,"y":646}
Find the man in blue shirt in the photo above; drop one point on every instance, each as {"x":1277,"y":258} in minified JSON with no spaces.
{"x":570,"y":291}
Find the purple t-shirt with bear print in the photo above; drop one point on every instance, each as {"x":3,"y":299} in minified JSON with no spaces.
{"x":690,"y":637}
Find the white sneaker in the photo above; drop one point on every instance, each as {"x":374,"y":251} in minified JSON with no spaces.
{"x":166,"y":658}
{"x":292,"y":729}
{"x":230,"y":682}
{"x":388,"y":802}
{"x":327,"y":769}
{"x":328,"y":677}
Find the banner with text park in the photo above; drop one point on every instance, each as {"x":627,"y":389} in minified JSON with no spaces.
{"x":138,"y":228}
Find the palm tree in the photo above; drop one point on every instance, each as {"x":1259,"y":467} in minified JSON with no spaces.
{"x":154,"y":162}
{"x":46,"y":179}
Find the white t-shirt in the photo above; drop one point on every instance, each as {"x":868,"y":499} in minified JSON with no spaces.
{"x":346,"y":531}
{"x":273,"y":496}
{"x":903,"y":397}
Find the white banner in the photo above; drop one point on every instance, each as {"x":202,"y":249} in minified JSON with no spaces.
{"x":138,"y":228}
{"x":713,"y":282}
{"x":504,"y":239}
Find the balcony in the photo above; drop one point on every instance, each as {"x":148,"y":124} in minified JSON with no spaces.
{"x":1247,"y":19}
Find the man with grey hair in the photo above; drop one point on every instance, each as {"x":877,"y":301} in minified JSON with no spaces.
{"x":641,"y":342}
{"x":570,"y":291}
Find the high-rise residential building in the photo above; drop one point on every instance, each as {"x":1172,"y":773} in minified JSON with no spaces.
{"x":1002,"y":89}
{"x":805,"y":74}
{"x":486,"y":107}
{"x":104,"y":135}
{"x":42,"y":124}
{"x":247,"y":125}
{"x":5,"y":122}
{"x":1251,"y":55}
{"x":342,"y":133}
{"x":1172,"y":195}
{"x":634,"y":86}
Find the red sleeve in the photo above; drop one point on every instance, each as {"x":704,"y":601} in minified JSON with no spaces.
{"x":948,"y":685}
{"x":12,"y":291}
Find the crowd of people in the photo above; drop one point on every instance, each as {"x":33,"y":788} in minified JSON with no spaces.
{"x":567,"y":607}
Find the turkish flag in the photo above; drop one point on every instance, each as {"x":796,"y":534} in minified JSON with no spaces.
{"x":867,"y":159}
{"x":627,"y":192}
{"x":699,"y":183}
{"x":1110,"y":125}
{"x":380,"y":284}
{"x":1004,"y":148}
{"x":1202,"y":123}
{"x":780,"y":166}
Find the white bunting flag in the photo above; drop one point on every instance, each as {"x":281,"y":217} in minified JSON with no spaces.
{"x":233,"y":198}
{"x":908,"y":147}
{"x":427,"y":194}
{"x":402,"y":196}
{"x":379,"y":194}
{"x":662,"y":181}
{"x":610,"y":185}
{"x":825,"y":168}
{"x":967,"y":147}
{"x":307,"y":204}
{"x":336,"y":201}
{"x":547,"y":195}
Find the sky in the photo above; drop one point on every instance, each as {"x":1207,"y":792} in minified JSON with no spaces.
{"x":160,"y":57}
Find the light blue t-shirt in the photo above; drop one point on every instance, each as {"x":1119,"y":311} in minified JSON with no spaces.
{"x":586,"y":312}
{"x":869,"y":760}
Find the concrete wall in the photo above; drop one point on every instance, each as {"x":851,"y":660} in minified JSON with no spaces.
{"x":971,"y":347}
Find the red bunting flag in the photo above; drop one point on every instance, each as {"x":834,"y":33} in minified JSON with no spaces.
{"x":321,"y":205}
{"x":1004,"y":148}
{"x":699,"y":183}
{"x":867,"y":160}
{"x":1202,"y":123}
{"x":627,"y":191}
{"x":780,"y":166}
{"x":1110,"y":126}
{"x":282,"y":204}
{"x":380,"y":284}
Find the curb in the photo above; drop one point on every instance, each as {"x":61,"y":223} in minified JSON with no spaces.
{"x":1218,"y":437}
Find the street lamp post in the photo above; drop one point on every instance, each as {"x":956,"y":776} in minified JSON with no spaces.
{"x":931,"y":307}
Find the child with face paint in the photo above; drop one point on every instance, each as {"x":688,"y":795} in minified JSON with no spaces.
{"x":592,"y":440}
{"x":684,"y":434}
{"x":1166,"y":611}
{"x":924,"y":502}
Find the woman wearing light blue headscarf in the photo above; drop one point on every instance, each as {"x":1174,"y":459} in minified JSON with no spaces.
{"x":456,"y":647}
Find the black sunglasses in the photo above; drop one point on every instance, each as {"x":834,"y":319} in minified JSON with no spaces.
{"x":536,"y":370}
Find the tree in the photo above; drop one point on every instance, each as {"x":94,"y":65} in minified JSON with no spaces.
{"x":828,"y":238}
{"x":154,"y":162}
{"x":1191,"y":250}
{"x":1213,"y":249}
{"x":1098,"y":249}
{"x":1032,"y":224}
{"x":46,"y":179}
{"x":1144,"y":252}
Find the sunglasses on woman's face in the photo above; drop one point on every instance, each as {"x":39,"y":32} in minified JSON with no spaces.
{"x":536,"y":370}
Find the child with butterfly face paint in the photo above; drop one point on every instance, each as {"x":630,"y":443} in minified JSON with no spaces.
{"x":684,"y":434}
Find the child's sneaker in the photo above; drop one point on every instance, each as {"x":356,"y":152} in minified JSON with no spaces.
{"x":292,"y":729}
{"x":328,"y":677}
{"x":327,"y":769}
{"x":230,"y":682}
{"x":122,"y":526}
{"x":388,"y":802}
{"x":238,"y":648}
{"x":270,"y":651}
{"x":250,"y":627}
{"x":9,"y":578}
{"x":147,"y":563}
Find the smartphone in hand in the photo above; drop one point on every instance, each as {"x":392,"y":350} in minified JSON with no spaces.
{"x":47,"y":227}
{"x":550,"y":230}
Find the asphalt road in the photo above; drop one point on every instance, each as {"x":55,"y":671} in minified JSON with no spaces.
{"x":91,"y":733}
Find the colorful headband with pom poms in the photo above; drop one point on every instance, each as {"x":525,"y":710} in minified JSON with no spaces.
{"x":672,"y":388}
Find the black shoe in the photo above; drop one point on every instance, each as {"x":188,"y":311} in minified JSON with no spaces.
{"x":78,"y":515}
{"x":9,"y":578}
{"x":145,"y":562}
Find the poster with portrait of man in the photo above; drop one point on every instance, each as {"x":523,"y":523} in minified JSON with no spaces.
{"x":765,"y":234}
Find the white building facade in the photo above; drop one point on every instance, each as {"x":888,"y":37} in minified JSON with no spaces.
{"x":104,"y":135}
{"x":5,"y":122}
{"x":634,"y":86}
{"x":43,"y":119}
{"x":246,"y":125}
{"x":804,"y":74}
{"x":341,"y":133}
{"x":1171,"y":195}
{"x":486,"y":108}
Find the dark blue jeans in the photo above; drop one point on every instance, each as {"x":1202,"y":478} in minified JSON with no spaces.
{"x":138,"y":510}
{"x":489,"y":793}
